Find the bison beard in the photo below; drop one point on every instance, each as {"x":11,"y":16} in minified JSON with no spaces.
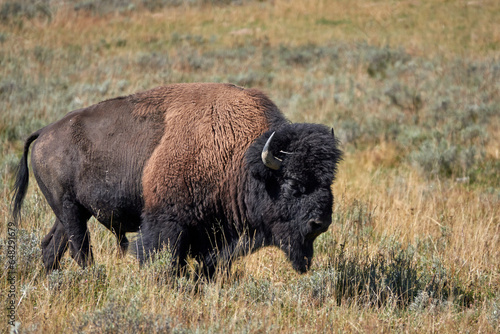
{"x":211,"y":171}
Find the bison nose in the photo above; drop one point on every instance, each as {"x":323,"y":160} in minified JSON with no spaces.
{"x":317,"y":226}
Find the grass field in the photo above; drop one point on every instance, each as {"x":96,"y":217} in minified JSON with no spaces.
{"x":411,"y":88}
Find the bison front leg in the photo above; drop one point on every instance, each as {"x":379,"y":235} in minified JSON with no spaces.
{"x":220,"y":260}
{"x":159,"y":235}
{"x":214,"y":263}
{"x":54,"y":245}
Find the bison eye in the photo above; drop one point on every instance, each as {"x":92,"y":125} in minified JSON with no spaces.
{"x":296,"y":187}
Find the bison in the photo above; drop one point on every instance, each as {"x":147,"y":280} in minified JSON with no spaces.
{"x":210,"y":171}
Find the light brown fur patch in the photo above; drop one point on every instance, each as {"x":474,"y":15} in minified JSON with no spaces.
{"x":208,"y":128}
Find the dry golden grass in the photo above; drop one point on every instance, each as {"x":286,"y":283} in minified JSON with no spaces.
{"x":413,"y":208}
{"x":384,"y":204}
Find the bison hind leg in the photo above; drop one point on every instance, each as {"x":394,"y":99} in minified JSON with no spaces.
{"x":74,"y":217}
{"x":80,"y":249}
{"x":54,"y":245}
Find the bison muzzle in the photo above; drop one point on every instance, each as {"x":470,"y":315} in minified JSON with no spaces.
{"x":208,"y":171}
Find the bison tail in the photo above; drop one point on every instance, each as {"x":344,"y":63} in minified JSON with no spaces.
{"x":22,"y":178}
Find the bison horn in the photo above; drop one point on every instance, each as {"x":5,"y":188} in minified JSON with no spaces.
{"x":268,"y":158}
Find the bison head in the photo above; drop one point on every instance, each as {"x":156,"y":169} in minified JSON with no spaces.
{"x":292,"y":169}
